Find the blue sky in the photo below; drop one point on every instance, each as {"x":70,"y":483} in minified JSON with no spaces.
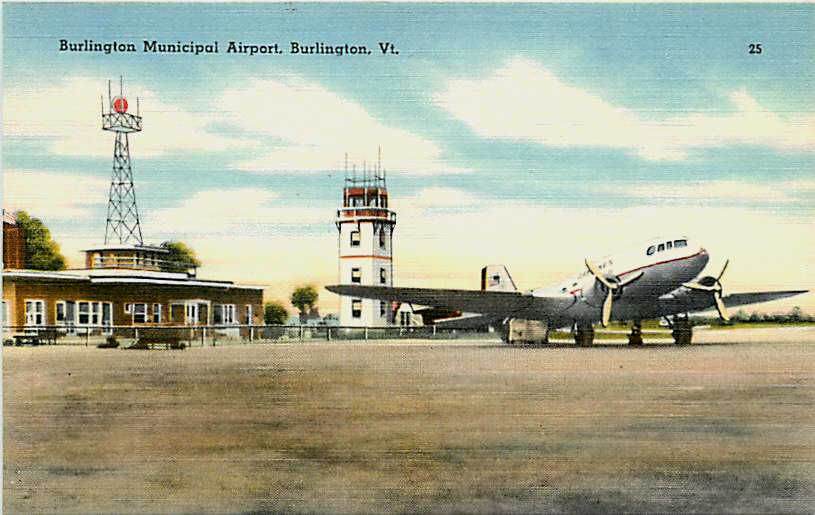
{"x":633,"y":114}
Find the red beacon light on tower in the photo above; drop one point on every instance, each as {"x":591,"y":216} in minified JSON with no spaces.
{"x":119,"y":104}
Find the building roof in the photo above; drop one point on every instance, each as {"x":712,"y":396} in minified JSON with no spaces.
{"x":103,"y":276}
{"x":123,"y":246}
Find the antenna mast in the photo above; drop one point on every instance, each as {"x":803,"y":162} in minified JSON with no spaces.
{"x":122,"y":223}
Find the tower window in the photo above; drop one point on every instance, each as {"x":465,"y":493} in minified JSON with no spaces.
{"x":356,"y":275}
{"x":355,"y":238}
{"x":383,"y":276}
{"x":382,"y":238}
{"x":356,"y":308}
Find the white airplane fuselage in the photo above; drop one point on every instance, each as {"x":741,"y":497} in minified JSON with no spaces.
{"x":664,"y":263}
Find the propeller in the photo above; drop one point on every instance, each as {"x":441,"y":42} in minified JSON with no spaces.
{"x":612,"y":285}
{"x":714,"y":286}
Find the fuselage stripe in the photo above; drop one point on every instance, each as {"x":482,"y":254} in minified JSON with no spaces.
{"x":661,"y":263}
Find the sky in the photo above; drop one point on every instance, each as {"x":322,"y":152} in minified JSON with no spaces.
{"x":531,"y":135}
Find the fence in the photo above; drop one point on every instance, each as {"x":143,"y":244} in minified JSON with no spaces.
{"x":214,"y":335}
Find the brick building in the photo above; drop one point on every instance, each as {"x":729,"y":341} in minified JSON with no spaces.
{"x":13,"y":245}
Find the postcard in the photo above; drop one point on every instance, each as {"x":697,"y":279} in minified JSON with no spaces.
{"x":408,"y":257}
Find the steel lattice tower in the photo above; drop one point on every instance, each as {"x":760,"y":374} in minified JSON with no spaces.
{"x":123,"y":214}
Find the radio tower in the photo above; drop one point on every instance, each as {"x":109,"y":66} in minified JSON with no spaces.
{"x":123,"y":215}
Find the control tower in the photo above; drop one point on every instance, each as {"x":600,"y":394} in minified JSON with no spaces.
{"x":365,"y":227}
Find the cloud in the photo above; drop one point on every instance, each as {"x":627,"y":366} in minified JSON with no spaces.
{"x":524,"y":101}
{"x":52,"y":195}
{"x":437,"y":198}
{"x":248,"y":212}
{"x":780,"y":192}
{"x":68,"y":116}
{"x":306,"y":127}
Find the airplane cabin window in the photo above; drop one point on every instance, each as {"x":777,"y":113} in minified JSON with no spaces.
{"x":681,"y":243}
{"x":661,"y":247}
{"x":651,"y":250}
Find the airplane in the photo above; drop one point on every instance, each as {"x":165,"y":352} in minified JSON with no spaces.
{"x":657,"y":279}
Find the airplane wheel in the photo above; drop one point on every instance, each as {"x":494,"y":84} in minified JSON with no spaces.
{"x":683,"y":332}
{"x":584,"y":337}
{"x":635,"y":337}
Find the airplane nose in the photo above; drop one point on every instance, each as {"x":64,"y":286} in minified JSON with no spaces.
{"x":703,"y":256}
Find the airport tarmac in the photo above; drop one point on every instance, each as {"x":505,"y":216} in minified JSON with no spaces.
{"x":724,"y":425}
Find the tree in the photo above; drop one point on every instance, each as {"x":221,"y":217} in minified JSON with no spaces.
{"x":180,"y":258}
{"x":41,"y":252}
{"x":304,"y":298}
{"x":274,"y":313}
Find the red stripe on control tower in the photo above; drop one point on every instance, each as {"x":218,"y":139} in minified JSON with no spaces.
{"x":388,"y":258}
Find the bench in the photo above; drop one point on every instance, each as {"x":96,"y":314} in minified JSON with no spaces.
{"x":37,"y":337}
{"x":154,"y":339}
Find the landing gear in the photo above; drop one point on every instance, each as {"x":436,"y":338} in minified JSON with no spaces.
{"x":682,"y":331}
{"x":584,"y":335}
{"x":635,"y":337}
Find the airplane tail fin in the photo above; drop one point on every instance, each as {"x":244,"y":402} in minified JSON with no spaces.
{"x":496,"y":278}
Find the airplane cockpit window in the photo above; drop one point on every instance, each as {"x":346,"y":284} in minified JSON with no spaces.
{"x":668,"y":245}
{"x":651,"y":250}
{"x":661,"y":247}
{"x":681,"y":243}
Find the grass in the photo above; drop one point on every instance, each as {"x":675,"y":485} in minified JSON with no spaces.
{"x":415,"y":427}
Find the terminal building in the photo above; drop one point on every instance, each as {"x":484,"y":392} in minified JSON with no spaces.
{"x":121,"y":285}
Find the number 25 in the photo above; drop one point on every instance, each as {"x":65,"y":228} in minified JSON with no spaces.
{"x":754,"y":48}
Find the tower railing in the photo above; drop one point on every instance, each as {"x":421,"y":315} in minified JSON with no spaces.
{"x":368,"y":212}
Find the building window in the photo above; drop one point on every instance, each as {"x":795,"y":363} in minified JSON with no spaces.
{"x":383,"y":276}
{"x":248,"y":320}
{"x":355,"y":238}
{"x":139,"y":313}
{"x":61,"y":312}
{"x":83,"y":313}
{"x":96,"y":313}
{"x":383,"y":308}
{"x":156,"y":313}
{"x":382,"y":238}
{"x":34,"y":312}
{"x":404,"y":318}
{"x":223,"y":314}
{"x":107,"y":317}
{"x":191,"y":310}
{"x":356,"y":308}
{"x":229,"y":314}
{"x":356,"y":275}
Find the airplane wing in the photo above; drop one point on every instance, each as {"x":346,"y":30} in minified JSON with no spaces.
{"x":739,"y":299}
{"x":469,"y":321}
{"x":686,"y":300}
{"x":502,"y":303}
